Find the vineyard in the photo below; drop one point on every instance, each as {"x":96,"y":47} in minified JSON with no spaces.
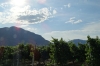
{"x":56,"y":53}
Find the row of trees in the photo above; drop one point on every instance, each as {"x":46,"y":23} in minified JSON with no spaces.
{"x":88,"y":54}
{"x":11,"y":55}
{"x":57,"y":53}
{"x":22,"y":55}
{"x":63,"y":52}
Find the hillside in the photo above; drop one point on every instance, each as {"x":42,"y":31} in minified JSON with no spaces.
{"x":14,"y":35}
{"x":76,"y":41}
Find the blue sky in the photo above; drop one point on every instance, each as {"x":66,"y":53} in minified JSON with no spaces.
{"x":69,"y":19}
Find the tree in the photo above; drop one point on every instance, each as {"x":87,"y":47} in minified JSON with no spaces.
{"x":1,"y":54}
{"x":44,"y":50}
{"x":60,"y":51}
{"x":74,"y":52}
{"x":93,"y":51}
{"x":8,"y":55}
{"x":82,"y":52}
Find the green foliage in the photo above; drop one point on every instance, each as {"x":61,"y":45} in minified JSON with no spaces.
{"x":74,"y":52}
{"x":93,"y":51}
{"x":11,"y":54}
{"x":82,"y":52}
{"x":60,"y":51}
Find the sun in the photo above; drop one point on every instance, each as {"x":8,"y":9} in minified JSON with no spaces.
{"x":17,"y":2}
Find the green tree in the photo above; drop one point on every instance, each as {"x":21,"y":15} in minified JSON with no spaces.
{"x":93,"y":51}
{"x":82,"y":52}
{"x":44,"y":50}
{"x":8,"y":55}
{"x":74,"y":52}
{"x":60,"y":51}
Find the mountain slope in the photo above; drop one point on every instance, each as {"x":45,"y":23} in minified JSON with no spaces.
{"x":14,"y":35}
{"x":76,"y":41}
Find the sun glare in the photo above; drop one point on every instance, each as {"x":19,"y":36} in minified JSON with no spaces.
{"x":18,"y":2}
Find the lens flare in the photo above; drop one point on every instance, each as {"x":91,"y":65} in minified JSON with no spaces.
{"x":17,"y":24}
{"x":46,"y":27}
{"x":42,"y":1}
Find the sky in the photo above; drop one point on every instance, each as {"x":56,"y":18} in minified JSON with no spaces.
{"x":67,"y":19}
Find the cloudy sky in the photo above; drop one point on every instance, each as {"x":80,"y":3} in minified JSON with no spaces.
{"x":69,"y":19}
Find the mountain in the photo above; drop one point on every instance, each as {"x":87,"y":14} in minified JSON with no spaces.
{"x":13,"y":35}
{"x":76,"y":41}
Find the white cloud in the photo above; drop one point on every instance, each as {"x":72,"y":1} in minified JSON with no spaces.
{"x":34,"y":30}
{"x":50,"y":8}
{"x":65,"y":6}
{"x":22,"y":26}
{"x":35,"y":16}
{"x":4,"y":5}
{"x":6,"y":17}
{"x":17,"y":2}
{"x":73,"y":20}
{"x":78,"y":21}
{"x":69,"y":5}
{"x":26,"y":15}
{"x":93,"y":30}
{"x":10,"y":15}
{"x":93,"y":26}
{"x":28,"y":28}
{"x":54,"y":11}
{"x":18,"y":10}
{"x":67,"y":35}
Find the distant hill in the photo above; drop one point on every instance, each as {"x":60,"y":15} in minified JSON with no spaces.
{"x":14,"y":35}
{"x":76,"y":41}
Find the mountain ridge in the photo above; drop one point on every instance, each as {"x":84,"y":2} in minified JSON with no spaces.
{"x":76,"y":41}
{"x":14,"y":35}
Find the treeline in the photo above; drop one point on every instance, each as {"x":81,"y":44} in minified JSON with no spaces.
{"x":57,"y":53}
